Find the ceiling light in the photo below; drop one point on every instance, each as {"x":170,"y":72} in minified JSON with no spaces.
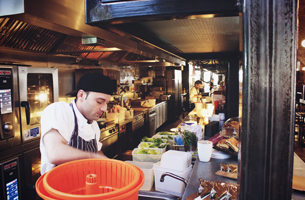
{"x":303,"y":68}
{"x":303,"y":43}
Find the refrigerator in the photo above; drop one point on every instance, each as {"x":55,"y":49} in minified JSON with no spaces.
{"x":174,"y":88}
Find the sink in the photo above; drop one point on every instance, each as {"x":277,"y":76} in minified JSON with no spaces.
{"x":152,"y":195}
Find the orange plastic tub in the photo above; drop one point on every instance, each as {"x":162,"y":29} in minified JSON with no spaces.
{"x":91,"y":179}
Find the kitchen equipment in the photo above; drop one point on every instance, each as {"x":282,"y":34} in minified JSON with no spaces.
{"x":170,"y":185}
{"x":11,"y":178}
{"x":138,"y":129}
{"x":152,"y":121}
{"x":24,"y":93}
{"x":137,"y":102}
{"x":147,"y":168}
{"x":176,"y":160}
{"x":38,"y":88}
{"x":83,"y":179}
{"x":109,"y":138}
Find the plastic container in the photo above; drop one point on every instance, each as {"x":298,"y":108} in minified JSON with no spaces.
{"x":146,"y":157}
{"x":148,"y":169}
{"x":91,"y":179}
{"x":170,"y":185}
{"x":162,"y":133}
{"x":162,"y":149}
{"x":170,"y":141}
{"x":112,"y":117}
{"x":176,"y":160}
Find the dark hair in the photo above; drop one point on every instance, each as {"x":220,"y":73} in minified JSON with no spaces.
{"x":198,"y":82}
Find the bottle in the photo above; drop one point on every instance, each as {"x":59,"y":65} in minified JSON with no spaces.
{"x":221,"y":120}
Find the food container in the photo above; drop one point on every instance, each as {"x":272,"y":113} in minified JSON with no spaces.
{"x":142,"y":145}
{"x":230,"y":128}
{"x":121,"y":116}
{"x":147,"y":168}
{"x":171,"y":185}
{"x":166,"y":138}
{"x":146,"y":157}
{"x":165,"y":133}
{"x":112,"y":117}
{"x":176,"y":160}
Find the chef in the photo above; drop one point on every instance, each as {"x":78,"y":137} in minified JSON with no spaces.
{"x":70,"y":131}
{"x":194,"y":93}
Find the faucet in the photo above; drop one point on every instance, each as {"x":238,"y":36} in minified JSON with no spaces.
{"x":173,"y":176}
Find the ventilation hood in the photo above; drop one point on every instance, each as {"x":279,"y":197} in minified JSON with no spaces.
{"x":58,"y":28}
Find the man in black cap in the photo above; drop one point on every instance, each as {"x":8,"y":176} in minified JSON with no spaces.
{"x":70,"y":131}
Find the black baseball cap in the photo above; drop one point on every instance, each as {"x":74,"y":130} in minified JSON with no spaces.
{"x":93,"y":82}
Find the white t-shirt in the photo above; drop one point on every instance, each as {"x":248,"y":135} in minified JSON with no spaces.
{"x":193,"y":92}
{"x":60,"y":116}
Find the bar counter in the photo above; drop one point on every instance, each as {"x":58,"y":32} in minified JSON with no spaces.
{"x":206,"y":171}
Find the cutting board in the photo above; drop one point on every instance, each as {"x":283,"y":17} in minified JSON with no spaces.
{"x":298,"y":183}
{"x":226,"y":174}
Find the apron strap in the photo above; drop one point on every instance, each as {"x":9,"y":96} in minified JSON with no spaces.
{"x":77,"y":142}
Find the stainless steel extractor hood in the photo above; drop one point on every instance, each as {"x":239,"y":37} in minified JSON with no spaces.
{"x":57,"y":27}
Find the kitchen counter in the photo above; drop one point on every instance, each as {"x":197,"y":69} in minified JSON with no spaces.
{"x":206,"y":171}
{"x":126,"y":121}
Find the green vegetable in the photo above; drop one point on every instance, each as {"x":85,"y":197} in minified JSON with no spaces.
{"x":146,"y":139}
{"x":167,"y":138}
{"x":189,"y":138}
{"x":164,"y":133}
{"x":142,"y":151}
{"x":167,"y":133}
{"x":145,"y":144}
{"x":148,"y":151}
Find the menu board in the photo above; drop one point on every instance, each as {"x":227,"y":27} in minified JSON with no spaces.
{"x":5,"y":101}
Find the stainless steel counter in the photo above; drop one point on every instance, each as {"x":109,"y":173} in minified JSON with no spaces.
{"x":207,"y":171}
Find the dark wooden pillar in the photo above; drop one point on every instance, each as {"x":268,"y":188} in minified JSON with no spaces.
{"x":266,"y":156}
{"x":233,"y":88}
{"x":186,"y":80}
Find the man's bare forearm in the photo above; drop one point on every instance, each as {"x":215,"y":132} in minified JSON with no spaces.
{"x":59,"y":152}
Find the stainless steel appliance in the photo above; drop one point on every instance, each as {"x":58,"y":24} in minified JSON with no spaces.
{"x":24,"y":93}
{"x":38,"y":88}
{"x":138,"y":127}
{"x":152,"y":121}
{"x":109,"y":138}
{"x":174,"y":88}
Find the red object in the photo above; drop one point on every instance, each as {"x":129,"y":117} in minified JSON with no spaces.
{"x":216,"y":104}
{"x":107,"y":179}
{"x":216,"y":138}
